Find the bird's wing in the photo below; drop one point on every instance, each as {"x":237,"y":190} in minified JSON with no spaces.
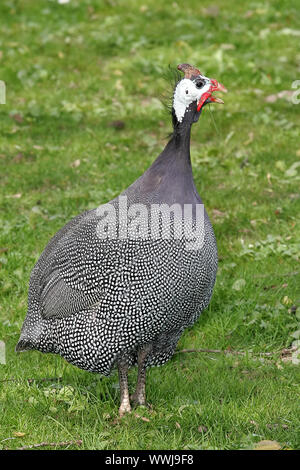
{"x":78,"y":269}
{"x":73,"y":269}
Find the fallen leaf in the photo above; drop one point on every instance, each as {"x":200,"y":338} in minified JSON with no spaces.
{"x":15,"y":196}
{"x":250,"y":139}
{"x":17,"y":117}
{"x":212,"y":11}
{"x":143,"y":418}
{"x":119,"y":85}
{"x":227,"y":47}
{"x":18,"y":434}
{"x":286,"y":300}
{"x":272,"y":426}
{"x":218,"y":213}
{"x":267,"y":445}
{"x":202,"y":429}
{"x":75,"y":164}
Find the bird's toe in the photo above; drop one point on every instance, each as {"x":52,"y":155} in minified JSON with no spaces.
{"x":139,"y":401}
{"x":124,"y":408}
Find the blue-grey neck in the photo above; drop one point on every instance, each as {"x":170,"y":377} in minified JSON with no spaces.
{"x":170,"y":178}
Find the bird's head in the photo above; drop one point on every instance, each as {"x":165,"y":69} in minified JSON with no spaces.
{"x":192,"y":93}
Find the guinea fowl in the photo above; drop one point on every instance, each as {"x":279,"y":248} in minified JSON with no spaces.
{"x":104,"y":295}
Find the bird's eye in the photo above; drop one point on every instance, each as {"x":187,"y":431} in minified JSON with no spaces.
{"x":200,"y":83}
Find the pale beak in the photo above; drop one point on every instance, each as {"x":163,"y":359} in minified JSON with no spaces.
{"x":216,"y":100}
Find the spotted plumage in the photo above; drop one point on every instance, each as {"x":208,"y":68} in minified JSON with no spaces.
{"x":101,"y":303}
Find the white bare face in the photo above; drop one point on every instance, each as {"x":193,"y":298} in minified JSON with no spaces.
{"x":188,"y":91}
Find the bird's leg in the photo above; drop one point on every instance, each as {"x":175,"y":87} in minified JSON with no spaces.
{"x":123,"y":380}
{"x":139,"y":396}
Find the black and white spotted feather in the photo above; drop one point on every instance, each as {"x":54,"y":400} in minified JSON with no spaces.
{"x":94,"y":301}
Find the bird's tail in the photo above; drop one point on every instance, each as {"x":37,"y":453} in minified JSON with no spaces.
{"x":30,"y":333}
{"x":24,"y":345}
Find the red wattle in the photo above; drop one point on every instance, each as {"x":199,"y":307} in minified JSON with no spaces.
{"x":203,"y":99}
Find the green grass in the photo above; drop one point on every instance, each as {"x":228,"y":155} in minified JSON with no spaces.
{"x":70,"y":71}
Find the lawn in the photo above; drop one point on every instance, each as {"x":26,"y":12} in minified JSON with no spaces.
{"x":83,"y":119}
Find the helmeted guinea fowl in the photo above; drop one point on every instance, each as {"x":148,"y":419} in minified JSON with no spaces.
{"x":111,"y":290}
